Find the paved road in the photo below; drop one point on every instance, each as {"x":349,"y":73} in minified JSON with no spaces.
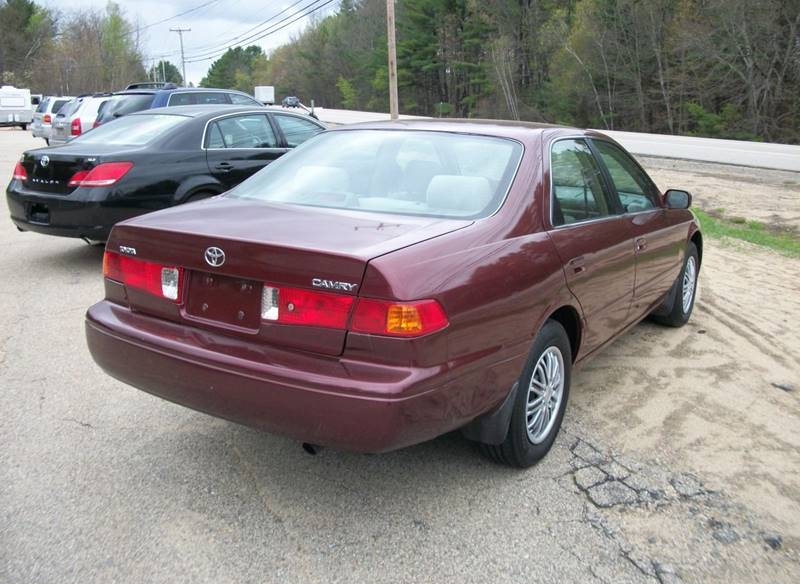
{"x":776,"y":156}
{"x":102,"y":483}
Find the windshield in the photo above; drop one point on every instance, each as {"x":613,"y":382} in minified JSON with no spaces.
{"x":437,"y":174}
{"x":131,"y":130}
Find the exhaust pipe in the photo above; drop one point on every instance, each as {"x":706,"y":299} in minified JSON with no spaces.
{"x":312,"y":449}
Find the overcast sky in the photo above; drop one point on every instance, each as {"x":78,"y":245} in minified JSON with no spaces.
{"x":213,"y":26}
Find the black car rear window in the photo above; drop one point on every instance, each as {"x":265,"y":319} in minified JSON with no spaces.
{"x":132,"y":131}
{"x":122,"y":105}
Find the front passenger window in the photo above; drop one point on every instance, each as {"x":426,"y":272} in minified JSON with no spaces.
{"x":636,"y":192}
{"x":577,"y":185}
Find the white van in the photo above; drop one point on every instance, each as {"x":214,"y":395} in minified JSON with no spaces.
{"x":15,"y":107}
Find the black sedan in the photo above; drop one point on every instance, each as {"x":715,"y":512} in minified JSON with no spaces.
{"x":147,"y":161}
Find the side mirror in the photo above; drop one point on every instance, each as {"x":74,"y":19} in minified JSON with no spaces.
{"x":676,"y":199}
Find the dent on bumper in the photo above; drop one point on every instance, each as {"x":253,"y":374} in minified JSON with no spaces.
{"x":361,"y":407}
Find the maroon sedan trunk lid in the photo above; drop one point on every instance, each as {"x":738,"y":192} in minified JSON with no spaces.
{"x":281,"y":245}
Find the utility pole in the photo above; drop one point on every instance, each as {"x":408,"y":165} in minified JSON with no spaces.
{"x":180,"y":32}
{"x":393,"y":107}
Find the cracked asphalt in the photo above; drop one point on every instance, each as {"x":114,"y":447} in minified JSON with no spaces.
{"x":102,"y":483}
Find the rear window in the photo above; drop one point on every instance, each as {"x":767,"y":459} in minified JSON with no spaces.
{"x":132,"y":130}
{"x":122,"y":105}
{"x":70,"y":107}
{"x":385,"y":171}
{"x":197,"y":98}
{"x":42,"y":107}
{"x":58,"y":104}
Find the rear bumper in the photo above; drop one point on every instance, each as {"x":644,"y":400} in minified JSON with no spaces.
{"x":330,"y":401}
{"x":68,"y":215}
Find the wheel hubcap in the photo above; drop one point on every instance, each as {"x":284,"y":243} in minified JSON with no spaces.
{"x":689,"y":277}
{"x":545,"y":392}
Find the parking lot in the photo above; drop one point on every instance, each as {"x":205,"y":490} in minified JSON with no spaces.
{"x":679,"y":460}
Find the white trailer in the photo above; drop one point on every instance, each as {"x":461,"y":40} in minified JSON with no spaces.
{"x":265,"y":94}
{"x":15,"y":106}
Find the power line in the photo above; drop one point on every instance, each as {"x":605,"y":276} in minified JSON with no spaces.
{"x":213,"y":46}
{"x":258,"y":36}
{"x":174,"y":16}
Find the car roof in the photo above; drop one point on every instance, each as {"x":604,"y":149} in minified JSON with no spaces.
{"x":196,"y":111}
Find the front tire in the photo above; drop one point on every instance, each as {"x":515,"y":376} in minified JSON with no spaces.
{"x":541,"y":400}
{"x":683,"y":295}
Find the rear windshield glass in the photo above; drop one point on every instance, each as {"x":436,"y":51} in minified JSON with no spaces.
{"x":122,"y":105}
{"x":131,"y":130}
{"x":436,"y":174}
{"x":70,"y":107}
{"x":42,"y":107}
{"x":58,"y":104}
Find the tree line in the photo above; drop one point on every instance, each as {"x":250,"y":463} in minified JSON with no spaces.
{"x":68,"y":53}
{"x":722,"y":68}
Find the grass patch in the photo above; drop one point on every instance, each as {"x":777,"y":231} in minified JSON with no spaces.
{"x":750,"y":231}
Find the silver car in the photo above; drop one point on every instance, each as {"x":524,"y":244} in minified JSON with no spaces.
{"x":42,"y":125}
{"x":76,"y":117}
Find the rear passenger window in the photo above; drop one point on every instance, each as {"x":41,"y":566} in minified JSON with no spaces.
{"x":181,"y":99}
{"x":237,"y":99}
{"x":211,"y":97}
{"x":215,"y":139}
{"x":296,"y":130}
{"x":249,"y":131}
{"x":578,"y":193}
{"x":636,"y":191}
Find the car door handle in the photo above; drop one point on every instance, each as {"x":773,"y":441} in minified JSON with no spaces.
{"x":641,"y":244}
{"x":577,"y":265}
{"x":224,"y":166}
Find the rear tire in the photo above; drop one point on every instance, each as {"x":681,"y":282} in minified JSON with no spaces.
{"x":541,"y":400}
{"x":683,"y":295}
{"x":199,"y":196}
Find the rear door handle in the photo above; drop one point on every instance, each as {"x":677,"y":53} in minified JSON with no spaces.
{"x":224,"y":166}
{"x":577,"y":265}
{"x":641,"y":244}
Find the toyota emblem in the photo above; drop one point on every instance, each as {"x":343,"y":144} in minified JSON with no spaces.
{"x":215,"y":257}
{"x":45,"y":160}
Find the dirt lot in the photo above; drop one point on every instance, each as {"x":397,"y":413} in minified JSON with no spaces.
{"x":679,"y":460}
{"x":724,"y":400}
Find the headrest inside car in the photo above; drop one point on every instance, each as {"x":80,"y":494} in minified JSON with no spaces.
{"x":466,"y":195}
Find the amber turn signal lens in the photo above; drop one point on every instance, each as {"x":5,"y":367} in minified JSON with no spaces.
{"x":398,"y":319}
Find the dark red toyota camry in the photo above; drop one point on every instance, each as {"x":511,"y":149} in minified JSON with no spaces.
{"x":386,"y":283}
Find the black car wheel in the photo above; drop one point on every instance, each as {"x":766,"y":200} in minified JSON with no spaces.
{"x":540,"y":402}
{"x":683,"y":292}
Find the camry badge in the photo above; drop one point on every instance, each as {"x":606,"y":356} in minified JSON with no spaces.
{"x":333,"y":285}
{"x":215,"y":257}
{"x":45,"y":160}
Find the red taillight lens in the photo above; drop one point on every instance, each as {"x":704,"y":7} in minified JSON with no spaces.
{"x":19,"y":172}
{"x":102,"y":175}
{"x":305,"y":307}
{"x":75,"y":127}
{"x":156,"y":279}
{"x":398,"y":319}
{"x":46,"y":118}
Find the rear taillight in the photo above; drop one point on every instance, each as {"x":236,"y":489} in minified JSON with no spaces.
{"x":305,"y":307}
{"x":102,"y":175}
{"x":327,"y":310}
{"x":398,"y":319}
{"x":19,"y":173}
{"x":156,"y":279}
{"x":46,"y":118}
{"x":75,"y":127}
